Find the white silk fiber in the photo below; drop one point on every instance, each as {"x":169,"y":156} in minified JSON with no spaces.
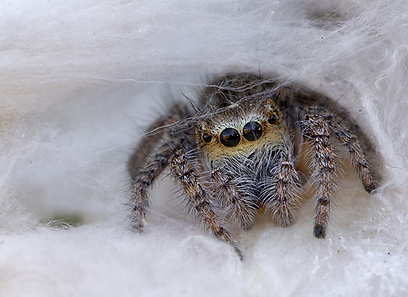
{"x":82,"y":79}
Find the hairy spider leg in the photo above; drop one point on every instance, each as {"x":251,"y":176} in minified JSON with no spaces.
{"x":317,"y":131}
{"x":144,"y":181}
{"x":357,"y":155}
{"x":286,"y":190}
{"x":155,"y":133}
{"x":183,"y":169}
{"x":144,"y":169}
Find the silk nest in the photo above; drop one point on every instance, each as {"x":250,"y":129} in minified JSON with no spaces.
{"x":81,"y":80}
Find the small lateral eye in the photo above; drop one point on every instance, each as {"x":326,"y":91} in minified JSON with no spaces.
{"x":272,"y":119}
{"x":252,"y":131}
{"x":207,"y":137}
{"x":230,"y":137}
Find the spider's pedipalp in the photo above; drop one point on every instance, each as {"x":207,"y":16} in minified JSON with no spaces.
{"x":239,"y":206}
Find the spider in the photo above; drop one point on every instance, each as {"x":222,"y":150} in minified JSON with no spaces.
{"x":239,"y":149}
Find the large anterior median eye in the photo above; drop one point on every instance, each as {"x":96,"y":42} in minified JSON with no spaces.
{"x":252,"y":131}
{"x":230,"y":137}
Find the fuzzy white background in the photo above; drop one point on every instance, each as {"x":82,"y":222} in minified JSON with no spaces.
{"x":80,"y":80}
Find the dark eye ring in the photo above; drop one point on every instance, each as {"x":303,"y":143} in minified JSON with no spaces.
{"x":272,"y":119}
{"x":207,"y":137}
{"x":230,"y":137}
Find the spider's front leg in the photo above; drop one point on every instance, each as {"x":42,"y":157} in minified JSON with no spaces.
{"x":316,"y":129}
{"x":183,"y":169}
{"x":283,"y":199}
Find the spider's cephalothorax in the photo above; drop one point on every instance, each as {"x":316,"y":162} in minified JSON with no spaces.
{"x":239,"y":152}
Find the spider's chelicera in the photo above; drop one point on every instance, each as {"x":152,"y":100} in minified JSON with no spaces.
{"x":239,"y":151}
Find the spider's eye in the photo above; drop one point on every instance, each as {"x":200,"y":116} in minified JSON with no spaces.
{"x":272,"y":119}
{"x":252,"y":131}
{"x":229,"y":137}
{"x":207,"y":137}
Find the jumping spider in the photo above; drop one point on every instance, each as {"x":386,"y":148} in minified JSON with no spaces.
{"x":239,"y":151}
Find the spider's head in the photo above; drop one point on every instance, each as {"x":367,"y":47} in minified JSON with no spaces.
{"x":240,"y":129}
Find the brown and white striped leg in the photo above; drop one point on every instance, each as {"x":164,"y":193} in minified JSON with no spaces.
{"x":357,"y":155}
{"x":243,"y":209}
{"x":142,"y":183}
{"x":182,"y":168}
{"x":286,"y":198}
{"x":317,"y":131}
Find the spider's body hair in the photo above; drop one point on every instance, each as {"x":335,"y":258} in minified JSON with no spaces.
{"x":262,"y":178}
{"x":251,"y":143}
{"x":236,"y":116}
